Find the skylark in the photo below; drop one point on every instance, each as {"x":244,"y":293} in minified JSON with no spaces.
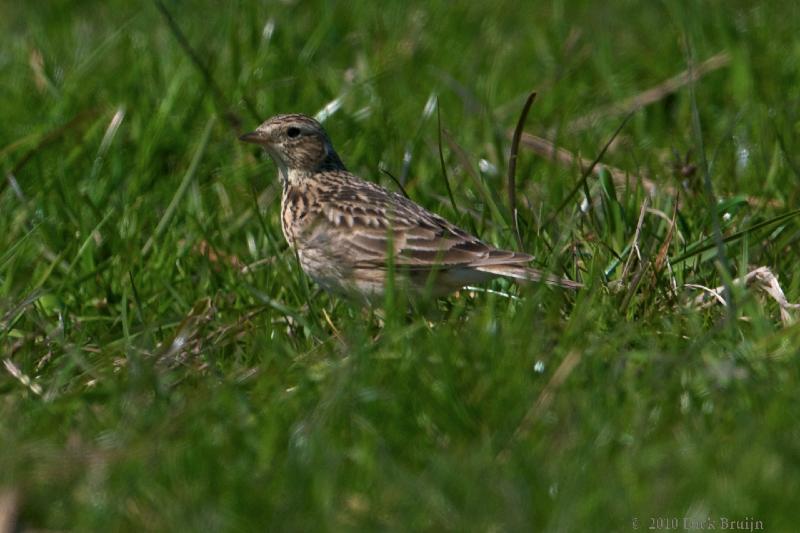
{"x":349,"y":233}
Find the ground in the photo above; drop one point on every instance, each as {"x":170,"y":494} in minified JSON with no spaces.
{"x":167,"y":366}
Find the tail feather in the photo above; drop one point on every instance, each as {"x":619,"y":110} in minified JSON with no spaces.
{"x":528,"y":274}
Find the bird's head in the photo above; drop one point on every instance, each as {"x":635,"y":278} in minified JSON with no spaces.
{"x":296,"y":142}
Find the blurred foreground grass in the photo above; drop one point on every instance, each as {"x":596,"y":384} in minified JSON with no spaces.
{"x":167,"y":367}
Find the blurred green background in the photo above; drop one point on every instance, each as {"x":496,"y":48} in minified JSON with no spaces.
{"x":166,"y":365}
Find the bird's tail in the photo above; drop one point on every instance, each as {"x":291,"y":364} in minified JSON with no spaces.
{"x":528,"y":274}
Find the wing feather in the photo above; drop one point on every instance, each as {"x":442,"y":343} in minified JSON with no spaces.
{"x":368,"y":218}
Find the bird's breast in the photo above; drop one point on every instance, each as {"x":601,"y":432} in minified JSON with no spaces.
{"x":297,"y":208}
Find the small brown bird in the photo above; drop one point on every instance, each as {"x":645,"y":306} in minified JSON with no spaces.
{"x":348,"y":233}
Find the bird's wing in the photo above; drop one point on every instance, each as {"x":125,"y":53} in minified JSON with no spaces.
{"x":370,"y":220}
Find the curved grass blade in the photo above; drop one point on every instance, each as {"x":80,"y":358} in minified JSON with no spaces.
{"x":512,"y":166}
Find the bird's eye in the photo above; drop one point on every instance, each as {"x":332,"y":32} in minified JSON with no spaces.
{"x":293,"y":132}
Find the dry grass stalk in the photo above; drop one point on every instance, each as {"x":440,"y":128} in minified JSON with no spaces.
{"x":22,"y":377}
{"x":546,"y":149}
{"x":635,"y":242}
{"x":762,"y":278}
{"x":544,"y":400}
{"x":9,"y":510}
{"x":622,"y":179}
{"x":651,"y":95}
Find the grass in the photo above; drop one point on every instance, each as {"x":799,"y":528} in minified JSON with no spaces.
{"x":168,"y":367}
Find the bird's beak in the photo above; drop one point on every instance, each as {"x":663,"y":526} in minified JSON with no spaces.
{"x":255,"y":137}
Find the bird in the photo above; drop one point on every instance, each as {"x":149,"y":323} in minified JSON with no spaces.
{"x":349,"y":233}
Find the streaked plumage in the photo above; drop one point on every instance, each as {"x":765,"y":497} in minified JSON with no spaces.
{"x":343,"y":227}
